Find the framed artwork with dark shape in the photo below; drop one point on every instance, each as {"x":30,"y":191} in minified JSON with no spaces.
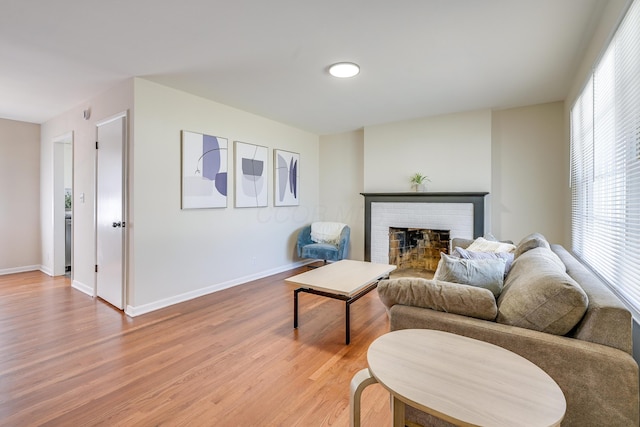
{"x":251,"y":175}
{"x":204,"y":171}
{"x":286,"y":179}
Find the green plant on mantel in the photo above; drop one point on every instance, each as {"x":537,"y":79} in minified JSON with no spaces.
{"x":418,"y":181}
{"x":418,"y":178}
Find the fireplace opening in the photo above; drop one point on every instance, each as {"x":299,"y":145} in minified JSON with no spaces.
{"x":416,"y":251}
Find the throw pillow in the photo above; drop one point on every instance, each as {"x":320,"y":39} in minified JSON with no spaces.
{"x":440,"y":296}
{"x":483,"y":273}
{"x":483,"y":245}
{"x":539,"y":295}
{"x":467,"y":254}
{"x":490,"y":237}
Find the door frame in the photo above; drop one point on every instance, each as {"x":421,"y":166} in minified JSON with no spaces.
{"x":125,"y":205}
{"x":57,"y":205}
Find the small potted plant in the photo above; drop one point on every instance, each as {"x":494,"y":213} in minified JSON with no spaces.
{"x":67,"y":201}
{"x":418,"y":181}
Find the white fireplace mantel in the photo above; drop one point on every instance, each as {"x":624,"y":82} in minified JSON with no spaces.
{"x":462,"y":213}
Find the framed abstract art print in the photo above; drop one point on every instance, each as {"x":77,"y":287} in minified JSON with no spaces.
{"x":204,"y":171}
{"x":286,"y":179}
{"x":251,"y":175}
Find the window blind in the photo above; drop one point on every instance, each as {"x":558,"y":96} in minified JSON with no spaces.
{"x":605,"y":164}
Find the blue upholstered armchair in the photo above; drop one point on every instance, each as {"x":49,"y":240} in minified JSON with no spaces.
{"x":333,"y":249}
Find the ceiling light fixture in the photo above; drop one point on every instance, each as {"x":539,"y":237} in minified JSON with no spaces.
{"x":344,"y":70}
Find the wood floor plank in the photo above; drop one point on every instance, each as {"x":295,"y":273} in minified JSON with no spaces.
{"x":226,"y":359}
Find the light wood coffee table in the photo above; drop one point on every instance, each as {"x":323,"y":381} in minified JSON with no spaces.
{"x":463,"y":381}
{"x":346,"y":280}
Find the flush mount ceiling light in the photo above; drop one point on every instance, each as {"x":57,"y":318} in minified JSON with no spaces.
{"x":344,"y":69}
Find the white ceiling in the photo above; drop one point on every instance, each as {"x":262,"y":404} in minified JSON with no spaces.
{"x":269,"y":57}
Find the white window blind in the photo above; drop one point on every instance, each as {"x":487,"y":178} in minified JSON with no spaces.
{"x":605,"y":164}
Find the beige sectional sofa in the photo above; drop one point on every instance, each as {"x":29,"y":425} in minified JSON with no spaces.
{"x":552,"y":311}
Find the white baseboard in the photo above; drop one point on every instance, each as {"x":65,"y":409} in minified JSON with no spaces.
{"x":85,"y":289}
{"x":134,"y":311}
{"x":46,"y":270}
{"x":22,"y":269}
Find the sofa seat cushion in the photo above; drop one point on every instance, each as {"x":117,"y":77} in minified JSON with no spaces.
{"x":539,"y":295}
{"x":440,"y":296}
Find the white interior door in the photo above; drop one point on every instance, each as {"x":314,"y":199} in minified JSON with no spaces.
{"x":110,"y":210}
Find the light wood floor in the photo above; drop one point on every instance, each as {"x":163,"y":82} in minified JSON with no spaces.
{"x":231,"y":358}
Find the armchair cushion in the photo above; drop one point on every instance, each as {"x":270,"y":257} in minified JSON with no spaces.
{"x":319,"y":251}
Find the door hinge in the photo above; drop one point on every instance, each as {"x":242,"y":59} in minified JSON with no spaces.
{"x":96,"y":268}
{"x":96,"y":145}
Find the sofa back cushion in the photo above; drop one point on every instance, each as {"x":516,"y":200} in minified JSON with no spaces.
{"x":539,"y":295}
{"x":532,"y":241}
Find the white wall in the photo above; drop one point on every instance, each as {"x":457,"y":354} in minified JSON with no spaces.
{"x":530,"y":173}
{"x":453,"y":150}
{"x":611,"y":17}
{"x":19,"y":196}
{"x":518,"y":155}
{"x":341,"y":182}
{"x":118,"y":99}
{"x":179,"y":254}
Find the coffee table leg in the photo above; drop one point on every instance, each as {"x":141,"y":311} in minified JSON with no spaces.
{"x":348,"y":301}
{"x":295,"y":308}
{"x":348,"y":323}
{"x":359,"y":382}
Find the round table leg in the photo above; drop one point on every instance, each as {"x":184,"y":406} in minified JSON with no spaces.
{"x":359,"y":382}
{"x":397,"y":412}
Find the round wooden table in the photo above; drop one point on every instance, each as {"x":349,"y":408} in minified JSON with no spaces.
{"x":464,"y":381}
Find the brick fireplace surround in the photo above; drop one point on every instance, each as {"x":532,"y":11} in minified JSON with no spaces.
{"x":461,"y":213}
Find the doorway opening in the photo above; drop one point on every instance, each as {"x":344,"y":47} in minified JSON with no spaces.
{"x":63,"y":205}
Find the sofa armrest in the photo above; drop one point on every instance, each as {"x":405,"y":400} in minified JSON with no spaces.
{"x":607,"y":320}
{"x":600,"y":383}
